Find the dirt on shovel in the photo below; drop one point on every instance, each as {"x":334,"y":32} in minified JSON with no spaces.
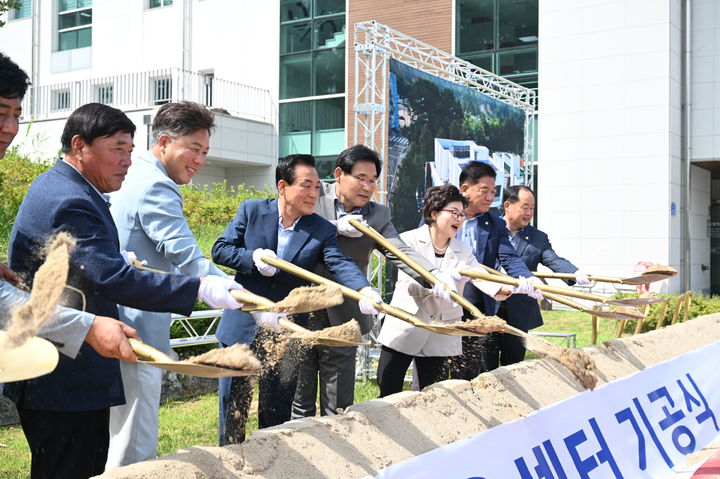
{"x":309,"y":298}
{"x":48,"y":285}
{"x":237,"y":356}
{"x":577,"y":362}
{"x":347,"y":332}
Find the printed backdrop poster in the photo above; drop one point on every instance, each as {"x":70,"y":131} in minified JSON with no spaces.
{"x":435,"y":127}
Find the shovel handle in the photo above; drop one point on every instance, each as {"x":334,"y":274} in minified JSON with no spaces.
{"x":347,"y":292}
{"x":592,"y":277}
{"x":499,"y":278}
{"x":147,"y":351}
{"x":373,"y":234}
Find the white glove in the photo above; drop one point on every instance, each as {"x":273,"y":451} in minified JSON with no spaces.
{"x":215,"y":291}
{"x":581,"y":279}
{"x":366,"y":306}
{"x":527,"y":286}
{"x":346,"y":229}
{"x":445,"y":279}
{"x":129,"y":257}
{"x":264,"y":268}
{"x":268,"y":320}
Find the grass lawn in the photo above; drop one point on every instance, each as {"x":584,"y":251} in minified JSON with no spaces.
{"x":194,"y":421}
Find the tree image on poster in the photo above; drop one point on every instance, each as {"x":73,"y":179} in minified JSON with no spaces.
{"x":435,"y":127}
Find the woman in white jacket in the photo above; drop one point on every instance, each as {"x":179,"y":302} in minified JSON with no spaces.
{"x":444,"y":214}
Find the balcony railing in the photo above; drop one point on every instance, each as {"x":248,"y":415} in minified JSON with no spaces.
{"x":137,"y":91}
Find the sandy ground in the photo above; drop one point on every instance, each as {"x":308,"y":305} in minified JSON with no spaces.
{"x":375,"y":434}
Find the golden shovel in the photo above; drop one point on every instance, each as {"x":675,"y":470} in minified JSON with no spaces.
{"x":292,"y":304}
{"x":35,"y":357}
{"x":450,"y":329}
{"x":149,"y":355}
{"x":654,"y":273}
{"x":498,"y":277}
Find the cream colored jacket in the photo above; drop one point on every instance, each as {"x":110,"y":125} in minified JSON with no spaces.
{"x":413,"y":298}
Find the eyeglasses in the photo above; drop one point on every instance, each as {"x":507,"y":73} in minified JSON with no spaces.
{"x":371,"y":182}
{"x":456,"y":214}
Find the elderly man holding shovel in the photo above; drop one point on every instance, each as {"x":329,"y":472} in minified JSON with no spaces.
{"x":286,"y":228}
{"x":331,"y":367}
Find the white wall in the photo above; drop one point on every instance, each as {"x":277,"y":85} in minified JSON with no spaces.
{"x":608,"y":129}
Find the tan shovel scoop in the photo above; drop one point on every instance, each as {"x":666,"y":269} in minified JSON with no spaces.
{"x":577,"y":362}
{"x":34,"y":357}
{"x":656,"y":272}
{"x":236,"y":360}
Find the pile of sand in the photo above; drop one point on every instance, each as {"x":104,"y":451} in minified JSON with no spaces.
{"x":375,"y":434}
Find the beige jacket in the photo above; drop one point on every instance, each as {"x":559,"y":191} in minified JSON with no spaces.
{"x":415,"y":299}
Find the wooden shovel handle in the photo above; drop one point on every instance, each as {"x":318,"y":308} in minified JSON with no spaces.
{"x":498,"y":278}
{"x":371,"y":233}
{"x":602,"y":279}
{"x":347,"y":292}
{"x":147,"y":351}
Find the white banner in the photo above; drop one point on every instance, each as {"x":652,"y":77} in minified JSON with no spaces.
{"x":641,"y":426}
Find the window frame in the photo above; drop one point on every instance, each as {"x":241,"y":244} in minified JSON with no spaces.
{"x":76,"y":28}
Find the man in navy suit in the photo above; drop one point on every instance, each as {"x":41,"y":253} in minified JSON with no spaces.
{"x":65,"y":414}
{"x":287,"y":228}
{"x":488,"y":236}
{"x":521,"y":311}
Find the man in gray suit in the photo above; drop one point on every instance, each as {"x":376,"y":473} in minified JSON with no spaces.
{"x":148,"y":213}
{"x":356,"y":178}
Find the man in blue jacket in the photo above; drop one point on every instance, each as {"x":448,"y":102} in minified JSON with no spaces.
{"x":521,"y":311}
{"x":488,"y":236}
{"x":65,"y":414}
{"x":287,"y":228}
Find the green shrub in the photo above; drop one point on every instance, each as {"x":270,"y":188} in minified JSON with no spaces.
{"x":699,"y":305}
{"x":216,"y":205}
{"x":16,"y":175}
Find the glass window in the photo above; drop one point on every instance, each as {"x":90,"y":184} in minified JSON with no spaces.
{"x":208,"y":81}
{"x":517,"y":23}
{"x":105,"y":94}
{"x":329,"y":33}
{"x":294,"y":10}
{"x":162,"y":90}
{"x":61,"y":100}
{"x":483,"y":61}
{"x":475,"y":25}
{"x":515,"y":63}
{"x":295,"y":75}
{"x":74,"y":4}
{"x":329,"y":71}
{"x":74,"y":19}
{"x":24,"y":10}
{"x":296,"y":121}
{"x":159,"y":3}
{"x":295,"y":37}
{"x":329,"y":7}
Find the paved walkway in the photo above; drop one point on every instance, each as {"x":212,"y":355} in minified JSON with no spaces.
{"x":704,"y":464}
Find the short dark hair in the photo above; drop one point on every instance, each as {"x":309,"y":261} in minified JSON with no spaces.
{"x":438,"y":197}
{"x":14,"y":81}
{"x":181,"y":118}
{"x":92,"y":121}
{"x":286,"y":167}
{"x":347,"y":159}
{"x":474,"y":171}
{"x":512,"y":193}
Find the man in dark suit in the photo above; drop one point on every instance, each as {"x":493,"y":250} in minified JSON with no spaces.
{"x":65,"y":415}
{"x":488,"y":236}
{"x":333,"y":368}
{"x":521,"y":311}
{"x":285,"y":227}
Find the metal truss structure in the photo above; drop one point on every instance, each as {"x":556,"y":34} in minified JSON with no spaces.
{"x":375,"y":43}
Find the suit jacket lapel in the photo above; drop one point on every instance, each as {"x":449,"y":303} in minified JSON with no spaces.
{"x":270,"y":225}
{"x":298,"y":239}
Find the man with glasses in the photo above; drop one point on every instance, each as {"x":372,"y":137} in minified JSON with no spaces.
{"x":349,"y":197}
{"x":521,"y":311}
{"x":488,"y":236}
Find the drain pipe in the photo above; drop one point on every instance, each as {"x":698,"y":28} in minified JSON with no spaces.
{"x":35,"y":57}
{"x":687,"y":140}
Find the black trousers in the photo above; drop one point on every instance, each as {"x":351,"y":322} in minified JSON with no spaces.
{"x":393,"y":365}
{"x":66,"y":445}
{"x":485,"y":353}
